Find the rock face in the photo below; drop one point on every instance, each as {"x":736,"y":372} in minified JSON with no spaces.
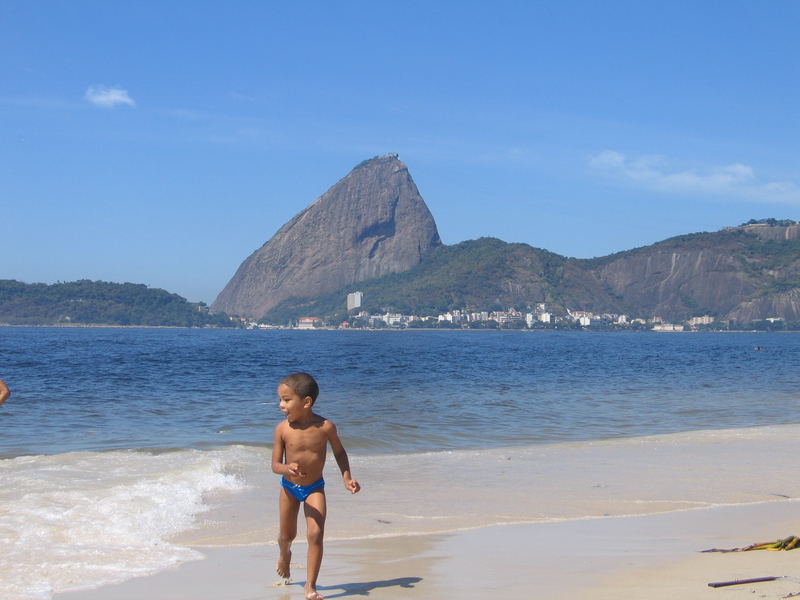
{"x":785,"y":305}
{"x":741,"y":274}
{"x":677,"y":283}
{"x":371,"y":223}
{"x":785,"y":233}
{"x":374,"y":223}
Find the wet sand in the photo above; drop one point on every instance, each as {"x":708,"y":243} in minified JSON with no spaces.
{"x":605,"y":520}
{"x":653,"y":556}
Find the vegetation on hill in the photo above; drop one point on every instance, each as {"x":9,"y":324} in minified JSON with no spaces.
{"x":489,"y":274}
{"x":771,"y":222}
{"x":100,"y":302}
{"x":748,"y":263}
{"x":686,"y":241}
{"x":486,"y":274}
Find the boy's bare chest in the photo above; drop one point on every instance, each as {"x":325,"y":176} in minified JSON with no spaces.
{"x":308,"y":440}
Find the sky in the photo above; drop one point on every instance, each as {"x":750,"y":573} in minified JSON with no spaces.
{"x":163,"y":142}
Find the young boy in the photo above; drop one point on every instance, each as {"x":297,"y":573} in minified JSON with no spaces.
{"x":299,"y":455}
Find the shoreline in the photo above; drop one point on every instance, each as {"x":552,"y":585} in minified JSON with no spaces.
{"x":605,"y":520}
{"x":653,"y":556}
{"x":393,"y":329}
{"x":104,"y":326}
{"x":93,"y":516}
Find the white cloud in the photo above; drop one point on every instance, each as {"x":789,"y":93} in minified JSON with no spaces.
{"x":657,"y":173}
{"x":107,"y":97}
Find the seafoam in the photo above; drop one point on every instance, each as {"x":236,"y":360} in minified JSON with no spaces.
{"x":79,"y":520}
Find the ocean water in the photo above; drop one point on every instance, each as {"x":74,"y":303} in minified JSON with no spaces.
{"x":121,"y":448}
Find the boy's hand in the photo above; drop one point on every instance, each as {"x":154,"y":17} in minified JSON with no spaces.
{"x":293,"y":469}
{"x":352,"y":486}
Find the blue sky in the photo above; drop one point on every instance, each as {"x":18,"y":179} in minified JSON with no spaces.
{"x":163,"y":142}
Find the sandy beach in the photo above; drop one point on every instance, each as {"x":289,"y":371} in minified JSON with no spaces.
{"x":653,"y":556}
{"x":601,"y":520}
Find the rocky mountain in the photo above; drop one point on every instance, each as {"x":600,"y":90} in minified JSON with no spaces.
{"x":744,"y":274}
{"x":373,"y":229}
{"x":372,"y":223}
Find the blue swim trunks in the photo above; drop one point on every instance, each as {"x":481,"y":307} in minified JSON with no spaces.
{"x":301,"y":492}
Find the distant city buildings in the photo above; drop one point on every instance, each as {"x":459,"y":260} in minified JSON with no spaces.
{"x":668,"y":327}
{"x":704,"y":320}
{"x":542,"y":317}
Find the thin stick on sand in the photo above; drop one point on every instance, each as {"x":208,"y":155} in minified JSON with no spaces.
{"x":718,"y":584}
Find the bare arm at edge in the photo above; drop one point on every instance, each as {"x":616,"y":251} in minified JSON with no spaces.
{"x":342,"y":460}
{"x":4,"y":391}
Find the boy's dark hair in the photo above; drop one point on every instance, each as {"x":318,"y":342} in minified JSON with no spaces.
{"x":303,"y":385}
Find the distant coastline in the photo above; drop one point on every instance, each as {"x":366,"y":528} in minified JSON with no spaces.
{"x":387,"y":329}
{"x":90,"y":303}
{"x":101,"y":325}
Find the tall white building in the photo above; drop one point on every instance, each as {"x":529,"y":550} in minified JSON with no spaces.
{"x":354,"y":300}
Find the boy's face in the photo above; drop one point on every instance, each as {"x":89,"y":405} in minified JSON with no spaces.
{"x":291,"y":404}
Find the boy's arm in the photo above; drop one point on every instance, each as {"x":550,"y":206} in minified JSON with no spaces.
{"x":278,"y":452}
{"x":340,"y":455}
{"x":4,"y":391}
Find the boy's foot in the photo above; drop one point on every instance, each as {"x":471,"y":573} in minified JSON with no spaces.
{"x":283,"y":569}
{"x":314,"y":595}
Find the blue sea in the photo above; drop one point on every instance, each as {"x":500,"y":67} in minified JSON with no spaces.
{"x":93,"y":389}
{"x":114,"y":440}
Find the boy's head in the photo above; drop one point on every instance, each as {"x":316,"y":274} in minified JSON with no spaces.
{"x":303,"y":384}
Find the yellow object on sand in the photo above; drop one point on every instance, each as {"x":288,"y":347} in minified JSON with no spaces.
{"x":787,"y":543}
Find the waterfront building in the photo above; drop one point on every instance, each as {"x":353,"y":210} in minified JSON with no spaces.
{"x":309,"y":322}
{"x":704,"y":320}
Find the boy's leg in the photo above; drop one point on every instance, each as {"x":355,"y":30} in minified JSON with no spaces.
{"x":315,"y":511}
{"x":289,"y":507}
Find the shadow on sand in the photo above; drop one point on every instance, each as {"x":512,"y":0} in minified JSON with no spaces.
{"x":363,"y":588}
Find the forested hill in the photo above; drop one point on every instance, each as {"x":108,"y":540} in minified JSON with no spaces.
{"x":102,"y":303}
{"x":742,"y":274}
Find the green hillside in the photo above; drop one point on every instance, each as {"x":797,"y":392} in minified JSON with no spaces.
{"x":100,"y":302}
{"x":486,"y":273}
{"x":744,"y":273}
